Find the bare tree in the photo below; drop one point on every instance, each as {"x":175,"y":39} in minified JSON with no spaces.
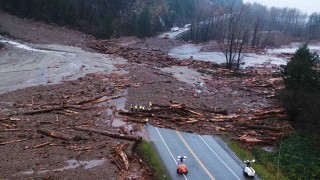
{"x":235,"y":35}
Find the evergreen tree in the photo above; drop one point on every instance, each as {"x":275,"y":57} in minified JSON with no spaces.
{"x":302,"y":97}
{"x":144,"y":25}
{"x":301,"y":73}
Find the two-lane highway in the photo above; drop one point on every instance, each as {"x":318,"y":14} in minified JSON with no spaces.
{"x":207,"y":157}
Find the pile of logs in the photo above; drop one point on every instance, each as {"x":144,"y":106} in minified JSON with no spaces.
{"x":119,"y":157}
{"x":152,"y":57}
{"x":176,"y":114}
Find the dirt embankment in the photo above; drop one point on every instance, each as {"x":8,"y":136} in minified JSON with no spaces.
{"x":42,"y":33}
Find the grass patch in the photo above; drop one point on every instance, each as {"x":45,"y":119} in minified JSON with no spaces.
{"x":148,"y":154}
{"x":298,"y":159}
{"x":264,"y":166}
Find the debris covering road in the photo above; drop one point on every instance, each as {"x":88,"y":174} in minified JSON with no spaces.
{"x":66,"y":130}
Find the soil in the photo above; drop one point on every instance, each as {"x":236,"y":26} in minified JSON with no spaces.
{"x":221,"y":101}
{"x":28,"y":153}
{"x":38,"y":32}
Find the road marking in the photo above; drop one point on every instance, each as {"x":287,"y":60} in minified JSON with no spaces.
{"x":195,"y":156}
{"x":165,"y":144}
{"x":219,"y":157}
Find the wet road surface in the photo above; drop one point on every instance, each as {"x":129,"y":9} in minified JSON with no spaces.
{"x":207,"y":156}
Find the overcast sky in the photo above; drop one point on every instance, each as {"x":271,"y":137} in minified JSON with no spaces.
{"x":307,"y":6}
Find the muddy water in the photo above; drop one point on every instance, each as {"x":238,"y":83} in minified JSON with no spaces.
{"x":185,"y":74}
{"x":23,"y":64}
{"x":250,"y":59}
{"x":292,"y":49}
{"x":71,"y":164}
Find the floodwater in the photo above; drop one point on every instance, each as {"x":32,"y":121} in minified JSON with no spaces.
{"x":185,"y":74}
{"x":24,"y":64}
{"x":250,"y":59}
{"x":292,"y":49}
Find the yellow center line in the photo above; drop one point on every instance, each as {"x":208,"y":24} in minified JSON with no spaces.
{"x":195,"y":156}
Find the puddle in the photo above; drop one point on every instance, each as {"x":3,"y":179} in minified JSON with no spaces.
{"x":184,"y":74}
{"x":71,"y":164}
{"x":119,"y":103}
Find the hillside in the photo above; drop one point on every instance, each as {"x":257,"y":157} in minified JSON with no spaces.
{"x":113,"y":18}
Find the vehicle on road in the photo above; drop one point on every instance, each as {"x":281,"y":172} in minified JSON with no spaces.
{"x":248,"y":170}
{"x":175,"y":29}
{"x":182,"y":168}
{"x":187,"y":25}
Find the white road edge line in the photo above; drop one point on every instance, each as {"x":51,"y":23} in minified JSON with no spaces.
{"x":219,"y":157}
{"x":174,"y":159}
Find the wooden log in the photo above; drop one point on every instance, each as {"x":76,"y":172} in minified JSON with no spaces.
{"x":190,"y":121}
{"x":262,"y":112}
{"x":108,"y":133}
{"x":2,"y":119}
{"x":55,"y":134}
{"x":89,"y":99}
{"x":12,"y":141}
{"x":251,"y":140}
{"x":41,"y":145}
{"x":193,"y":112}
{"x":43,"y":110}
{"x":123,"y":156}
{"x":261,"y":127}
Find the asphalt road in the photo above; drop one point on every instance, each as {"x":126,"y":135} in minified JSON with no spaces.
{"x":207,"y":156}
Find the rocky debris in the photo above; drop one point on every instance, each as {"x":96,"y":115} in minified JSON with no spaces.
{"x":73,"y":116}
{"x":152,"y":57}
{"x":249,"y":90}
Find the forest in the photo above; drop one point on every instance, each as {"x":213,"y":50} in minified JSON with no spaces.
{"x":110,"y":18}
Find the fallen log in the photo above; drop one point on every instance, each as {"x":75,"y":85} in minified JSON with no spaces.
{"x":262,"y":112}
{"x":42,"y":110}
{"x":89,"y":99}
{"x":261,"y":127}
{"x":123,"y":156}
{"x":110,"y":134}
{"x":248,"y":139}
{"x":12,"y":141}
{"x":41,"y":145}
{"x":9,"y":126}
{"x":192,"y":112}
{"x":55,"y":134}
{"x":190,"y":121}
{"x":2,"y":119}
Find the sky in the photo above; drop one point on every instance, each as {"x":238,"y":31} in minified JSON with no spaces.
{"x":307,"y":6}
